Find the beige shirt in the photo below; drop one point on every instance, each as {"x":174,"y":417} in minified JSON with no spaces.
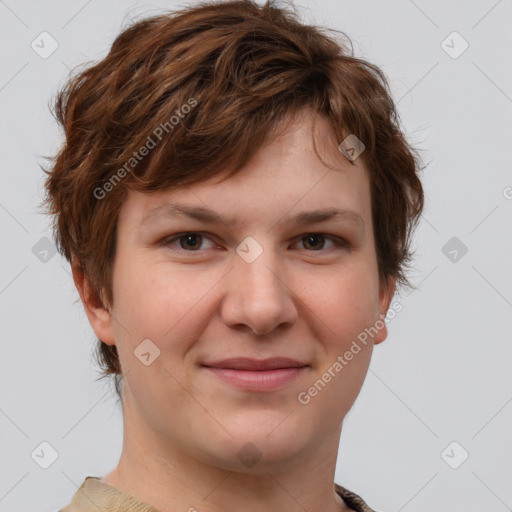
{"x":95,"y":495}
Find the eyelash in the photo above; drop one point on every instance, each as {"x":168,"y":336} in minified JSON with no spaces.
{"x":340,"y":242}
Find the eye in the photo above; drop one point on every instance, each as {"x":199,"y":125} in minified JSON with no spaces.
{"x":193,"y":242}
{"x":316,"y":241}
{"x":187,"y":241}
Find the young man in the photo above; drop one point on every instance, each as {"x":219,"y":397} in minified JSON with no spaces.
{"x":236,"y":199}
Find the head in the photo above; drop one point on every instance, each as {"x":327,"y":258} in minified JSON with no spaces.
{"x":247,"y":113}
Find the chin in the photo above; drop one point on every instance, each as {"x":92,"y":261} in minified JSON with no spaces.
{"x":268,"y":443}
{"x":246,"y":457}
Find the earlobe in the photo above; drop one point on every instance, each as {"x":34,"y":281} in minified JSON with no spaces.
{"x":99,"y":317}
{"x":386,"y":293}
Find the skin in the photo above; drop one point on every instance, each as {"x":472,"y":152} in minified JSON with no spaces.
{"x":200,"y":301}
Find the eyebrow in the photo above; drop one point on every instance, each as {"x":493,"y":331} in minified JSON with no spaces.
{"x":170,"y":210}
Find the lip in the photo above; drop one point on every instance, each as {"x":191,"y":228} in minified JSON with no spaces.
{"x":246,"y":363}
{"x":257,"y":380}
{"x":257,"y":375}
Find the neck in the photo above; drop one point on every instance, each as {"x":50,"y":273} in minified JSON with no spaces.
{"x":153,"y":469}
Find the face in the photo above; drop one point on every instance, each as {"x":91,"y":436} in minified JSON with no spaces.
{"x":281,"y":275}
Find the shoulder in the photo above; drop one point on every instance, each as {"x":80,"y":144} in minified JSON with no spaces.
{"x":354,"y":501}
{"x":94,"y":495}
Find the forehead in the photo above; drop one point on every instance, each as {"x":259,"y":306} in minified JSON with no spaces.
{"x":300,"y":167}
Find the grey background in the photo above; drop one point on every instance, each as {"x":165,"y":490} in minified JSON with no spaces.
{"x":442,"y":376}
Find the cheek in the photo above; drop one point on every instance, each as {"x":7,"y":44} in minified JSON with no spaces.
{"x":344,"y":303}
{"x":342,"y":307}
{"x":168,"y":307}
{"x":156,"y":304}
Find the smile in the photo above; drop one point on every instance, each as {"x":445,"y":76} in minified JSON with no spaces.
{"x":257,"y":380}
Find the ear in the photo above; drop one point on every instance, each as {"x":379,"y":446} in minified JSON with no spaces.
{"x":386,"y":292}
{"x":99,"y":317}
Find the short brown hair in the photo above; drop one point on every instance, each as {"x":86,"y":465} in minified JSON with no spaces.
{"x":240,"y":68}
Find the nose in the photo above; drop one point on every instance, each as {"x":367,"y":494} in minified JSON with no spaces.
{"x":258,"y":296}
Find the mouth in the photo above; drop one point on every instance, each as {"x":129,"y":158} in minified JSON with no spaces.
{"x":248,"y":364}
{"x":257,"y":375}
